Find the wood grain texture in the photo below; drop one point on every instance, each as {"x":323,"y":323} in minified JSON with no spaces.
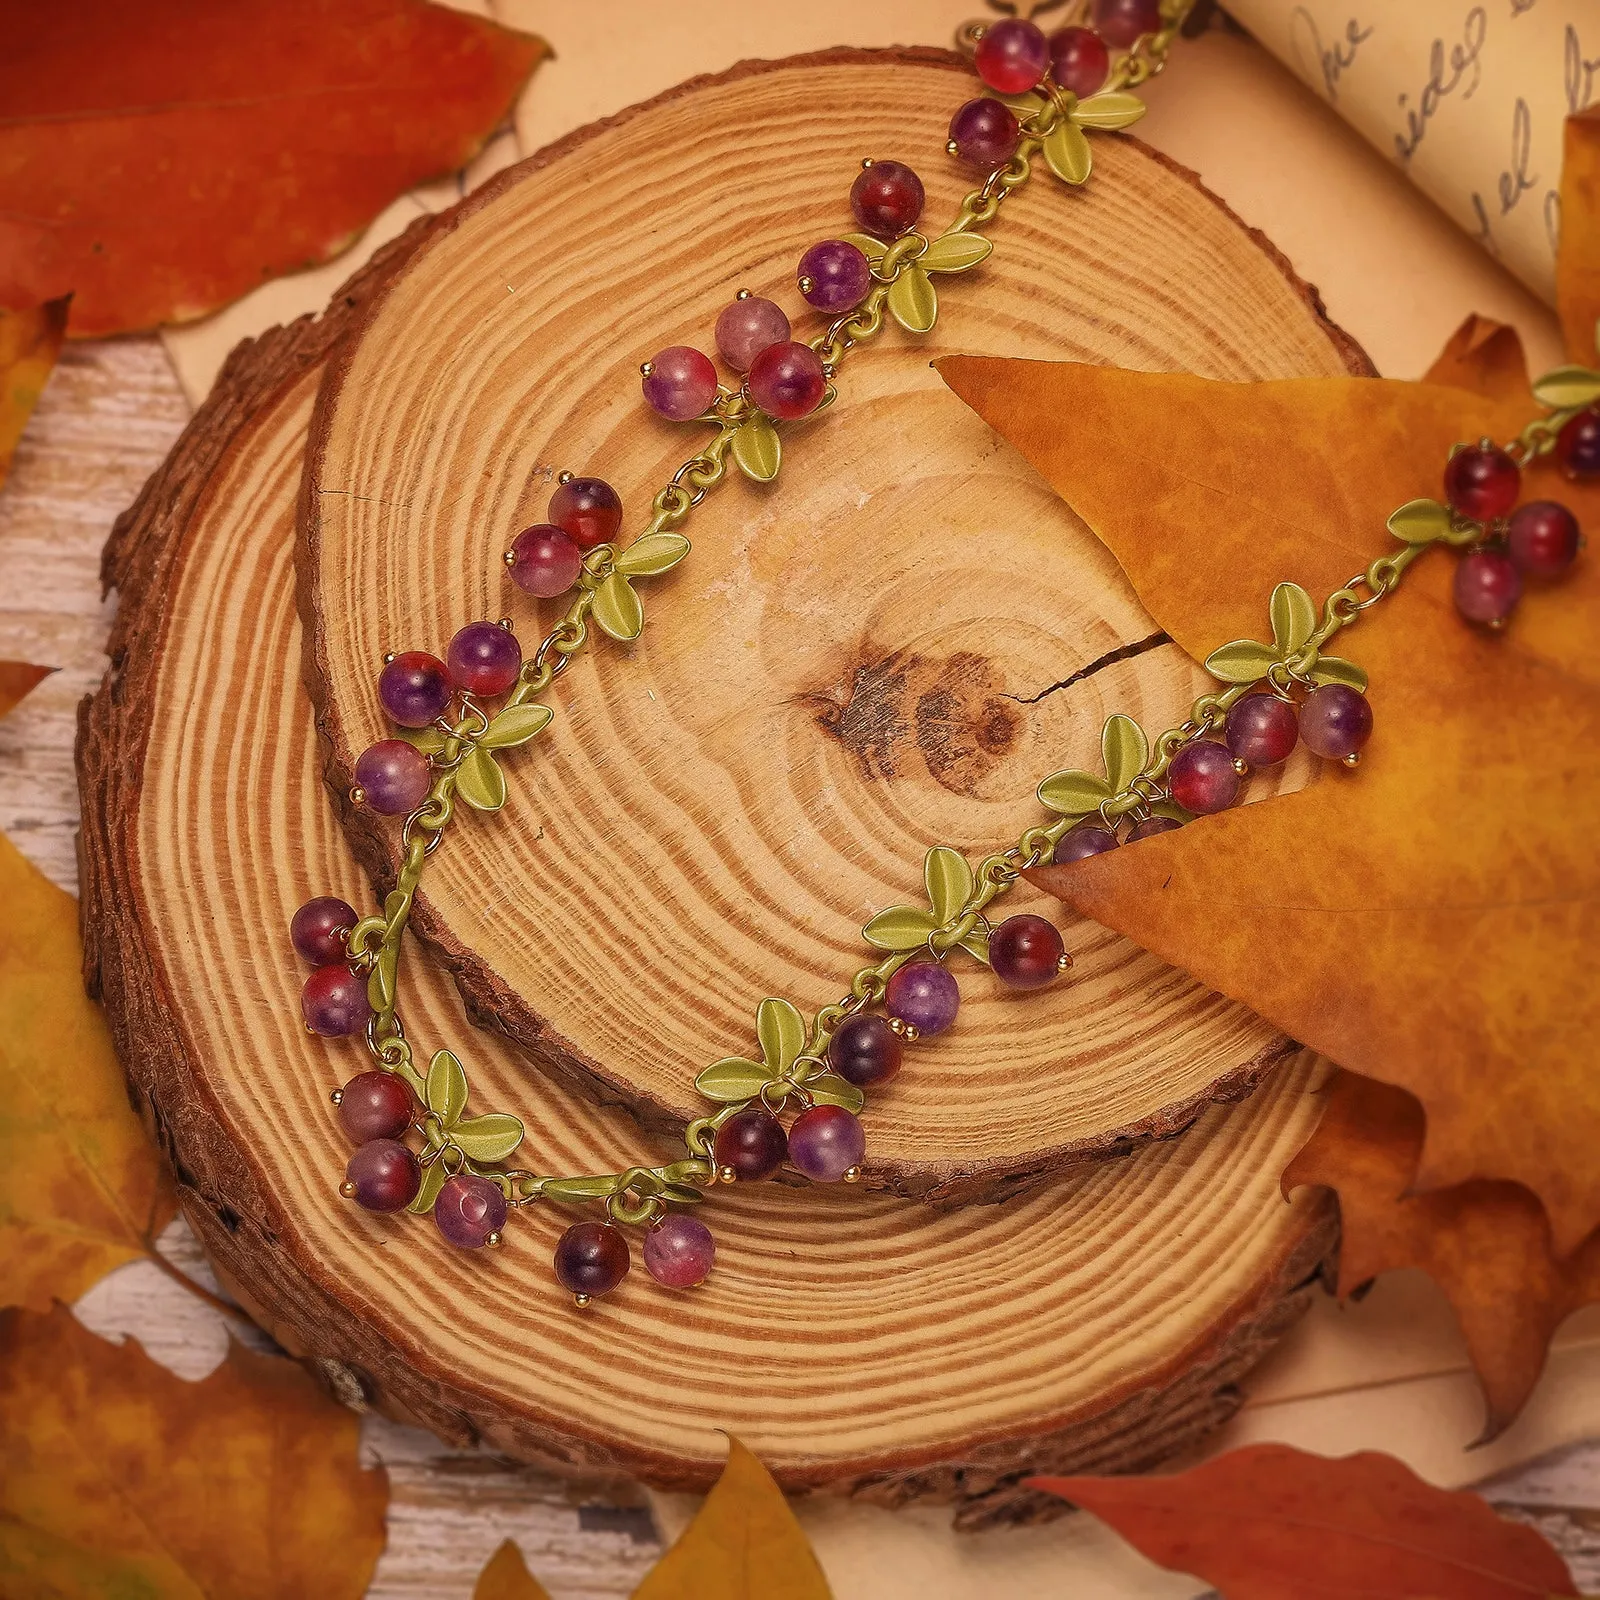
{"x":860,"y":1343}
{"x":885,"y":650}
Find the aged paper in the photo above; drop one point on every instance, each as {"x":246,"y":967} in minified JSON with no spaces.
{"x":1466,"y":98}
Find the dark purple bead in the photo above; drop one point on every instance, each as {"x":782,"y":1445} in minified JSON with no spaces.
{"x":826,"y":1142}
{"x":1025,"y":951}
{"x":592,"y":1258}
{"x":887,"y":199}
{"x":1482,"y":482}
{"x":752,"y":1143}
{"x":749,"y":326}
{"x":414,"y":689}
{"x":1085,"y":840}
{"x":376,"y":1105}
{"x":545,"y":561}
{"x":1202,"y":778}
{"x":787,"y":381}
{"x":1012,"y":55}
{"x":681,"y":383}
{"x":317,"y":929}
{"x":985,"y":133}
{"x":1578,"y":445}
{"x":394,"y":777}
{"x":334,"y":1002}
{"x":484,"y":658}
{"x":588,"y":510}
{"x":865,"y":1050}
{"x":383,"y":1175}
{"x":679,"y":1251}
{"x":1335,"y":721}
{"x":1487,"y":586}
{"x":1543,"y":538}
{"x":1079,"y":60}
{"x":469,"y":1209}
{"x":1150,"y":827}
{"x":1120,"y":22}
{"x":834,"y":276}
{"x":1262,"y":730}
{"x":923,"y":994}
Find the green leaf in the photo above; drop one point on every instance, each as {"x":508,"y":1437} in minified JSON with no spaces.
{"x":446,"y":1091}
{"x":617,"y":609}
{"x":480,"y":782}
{"x":871,"y":248}
{"x":1419,"y":521}
{"x":580,"y":1188}
{"x":381,"y":984}
{"x":781,"y":1032}
{"x":430,"y":741}
{"x":488,"y":1138}
{"x":757,"y":449}
{"x":1170,"y":808}
{"x":948,"y":879}
{"x":832,"y":1090}
{"x":733,"y":1078}
{"x":1073,"y":794}
{"x":899,"y":928}
{"x":913,"y":300}
{"x":515,"y":725}
{"x":1025,"y":105}
{"x":1113,"y":109}
{"x":1125,"y":748}
{"x":433,"y":1176}
{"x":651,"y":554}
{"x":683,"y":1173}
{"x":1294,"y":618}
{"x":1243,"y":661}
{"x":1567,"y":386}
{"x":680,"y":1194}
{"x":1067,"y":153}
{"x":976,"y":944}
{"x":955,"y":252}
{"x":1335,"y":669}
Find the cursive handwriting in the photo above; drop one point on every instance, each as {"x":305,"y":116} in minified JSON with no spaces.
{"x":1515,"y":180}
{"x":1552,"y":220}
{"x":1580,"y":74}
{"x":1332,"y":61}
{"x":1465,"y":71}
{"x":1519,"y":6}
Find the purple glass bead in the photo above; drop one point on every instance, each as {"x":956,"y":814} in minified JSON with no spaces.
{"x":679,"y":1251}
{"x":924,"y":995}
{"x":592,"y":1258}
{"x":747,"y":327}
{"x":1578,"y":445}
{"x":1152,"y":826}
{"x":1482,"y":482}
{"x":1335,"y":721}
{"x":587,"y":510}
{"x":544,"y":561}
{"x":752,"y":1143}
{"x":984,"y":133}
{"x":865,"y":1050}
{"x":834,"y":276}
{"x":1087,"y":839}
{"x":1120,"y":22}
{"x":469,"y":1209}
{"x":393,"y":777}
{"x":826,"y":1142}
{"x":1079,"y":60}
{"x":787,"y":381}
{"x":414,"y":689}
{"x":1012,"y":56}
{"x":681,"y":383}
{"x":1025,"y":951}
{"x":484,"y":658}
{"x":376,"y":1105}
{"x":887,"y":199}
{"x":383,"y":1175}
{"x":1202,"y":778}
{"x":316,"y":929}
{"x":1543,"y":538}
{"x":334,"y":1002}
{"x":1486,"y":586}
{"x":1261,"y":730}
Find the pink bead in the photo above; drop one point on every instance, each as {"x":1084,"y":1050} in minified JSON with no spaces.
{"x":1121,"y":22}
{"x":587,"y":510}
{"x":544,"y":561}
{"x":1079,"y":60}
{"x":787,"y":381}
{"x":1543,"y":539}
{"x":334,"y":1002}
{"x":984,"y":133}
{"x":681,"y":383}
{"x":747,"y":327}
{"x":1202,"y":779}
{"x":484,"y":658}
{"x":1262,"y":730}
{"x":394,"y":777}
{"x":826,"y":1142}
{"x":376,"y":1105}
{"x":679,"y":1251}
{"x":469,"y":1210}
{"x":1012,"y":55}
{"x":319,"y":929}
{"x":384,"y":1174}
{"x":1335,"y":721}
{"x":1487,"y":586}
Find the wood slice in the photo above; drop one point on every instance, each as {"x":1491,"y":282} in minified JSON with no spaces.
{"x":884,"y":650}
{"x":860,"y":1343}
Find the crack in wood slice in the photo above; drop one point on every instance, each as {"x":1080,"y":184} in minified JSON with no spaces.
{"x":849,"y":667}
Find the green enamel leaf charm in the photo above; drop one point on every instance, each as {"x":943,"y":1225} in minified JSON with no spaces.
{"x":515,"y":725}
{"x":430,"y":741}
{"x":1067,"y":153}
{"x":976,"y":944}
{"x":1125,"y":750}
{"x":1335,"y":669}
{"x":480,"y":782}
{"x":899,"y":928}
{"x":1294,"y":619}
{"x":1421,"y":521}
{"x":488,"y":1138}
{"x":948,"y":880}
{"x":617,"y":609}
{"x":757,"y":449}
{"x":733,"y":1078}
{"x":1073,"y":793}
{"x":955,"y":252}
{"x":781,"y":1033}
{"x":913,"y":301}
{"x":1567,"y":387}
{"x":831,"y":1090}
{"x":381,"y":982}
{"x":871,"y":248}
{"x":433,"y":1176}
{"x":446,"y":1091}
{"x":652,"y":553}
{"x":1243,"y":661}
{"x":579,"y":1188}
{"x":1109,"y":111}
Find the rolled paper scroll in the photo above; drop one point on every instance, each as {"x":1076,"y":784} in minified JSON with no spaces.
{"x":1467,"y":98}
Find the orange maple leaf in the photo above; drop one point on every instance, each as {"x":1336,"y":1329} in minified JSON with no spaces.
{"x":161,"y":160}
{"x":30,"y":341}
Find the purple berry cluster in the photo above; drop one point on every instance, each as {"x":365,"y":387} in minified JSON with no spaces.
{"x":545,"y":559}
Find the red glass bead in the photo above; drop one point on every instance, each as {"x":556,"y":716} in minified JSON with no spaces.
{"x":384,"y":1175}
{"x":376,"y":1105}
{"x":1487,"y":586}
{"x":319,"y":928}
{"x":414,"y":689}
{"x":589,"y":510}
{"x":826,"y":1142}
{"x":1085,"y":840}
{"x":1202,"y":778}
{"x":747,"y":327}
{"x":484,"y":658}
{"x":1121,"y":22}
{"x":1578,"y":445}
{"x":394,"y":777}
{"x":679,"y":1251}
{"x":469,"y":1209}
{"x":752,"y":1142}
{"x":985,"y":133}
{"x":592,"y":1258}
{"x":1079,"y":60}
{"x":1012,"y":56}
{"x":1025,"y":951}
{"x":865,"y":1050}
{"x":681,"y":383}
{"x":887,"y":199}
{"x":545,"y":561}
{"x":1543,"y":539}
{"x":1335,"y":721}
{"x":1262,"y":730}
{"x":1482,"y":482}
{"x":1150,"y":827}
{"x":334,"y":1002}
{"x":787,"y":381}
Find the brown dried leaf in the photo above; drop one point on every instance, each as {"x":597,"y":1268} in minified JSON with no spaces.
{"x":506,"y":1577}
{"x":1578,"y":263}
{"x":18,"y":679}
{"x":30,"y":341}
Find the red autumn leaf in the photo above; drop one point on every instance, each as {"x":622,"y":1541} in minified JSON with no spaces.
{"x":18,"y":679}
{"x":1272,"y":1523}
{"x":160,"y":160}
